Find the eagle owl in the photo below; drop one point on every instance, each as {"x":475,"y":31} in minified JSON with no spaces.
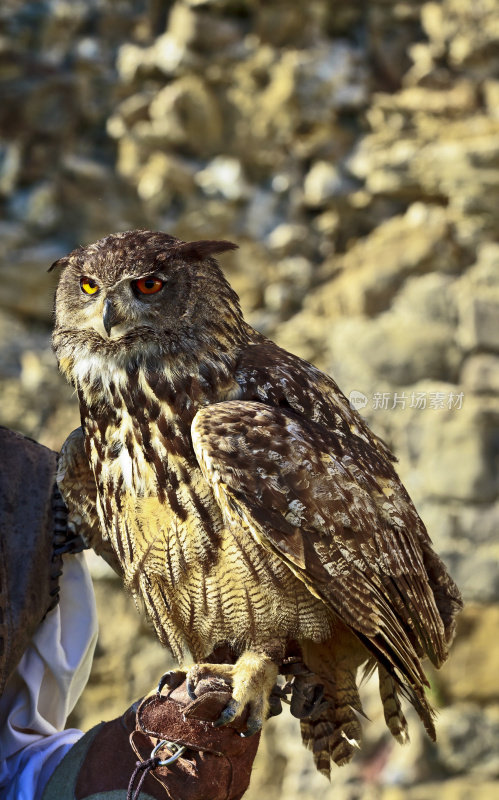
{"x":243,"y":499}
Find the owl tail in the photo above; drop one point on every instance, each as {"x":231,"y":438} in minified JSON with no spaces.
{"x":394,"y":716}
{"x":333,"y":731}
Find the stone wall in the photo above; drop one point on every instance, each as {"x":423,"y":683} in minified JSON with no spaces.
{"x":352,"y":151}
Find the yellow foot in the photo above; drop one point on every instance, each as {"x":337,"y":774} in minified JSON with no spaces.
{"x":252,"y":678}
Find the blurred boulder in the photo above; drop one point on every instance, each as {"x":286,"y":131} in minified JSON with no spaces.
{"x":376,"y":267}
{"x":479,"y":328}
{"x":468,"y":738}
{"x":480,"y":374}
{"x":469,"y":676}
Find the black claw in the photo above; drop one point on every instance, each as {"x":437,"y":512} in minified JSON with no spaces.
{"x":254,"y":725}
{"x":307,"y":699}
{"x":191,"y":688}
{"x":319,"y":709}
{"x":281,"y":691}
{"x":275,"y":706}
{"x":227,"y":714}
{"x":172,"y":679}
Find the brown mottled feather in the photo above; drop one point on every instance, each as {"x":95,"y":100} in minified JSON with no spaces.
{"x":77,"y":484}
{"x":245,"y":501}
{"x":296,"y":488}
{"x":335,"y":733}
{"x":394,"y":716}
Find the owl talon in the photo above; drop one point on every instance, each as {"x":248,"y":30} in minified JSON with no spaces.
{"x":253,"y":726}
{"x":252,"y":678}
{"x":190,"y":685}
{"x":231,"y":711}
{"x":275,"y":706}
{"x":228,"y":714}
{"x":172,"y":679}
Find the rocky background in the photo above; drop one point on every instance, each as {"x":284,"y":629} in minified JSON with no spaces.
{"x":352,"y":151}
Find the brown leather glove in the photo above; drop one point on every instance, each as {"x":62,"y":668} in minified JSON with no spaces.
{"x":215,"y":765}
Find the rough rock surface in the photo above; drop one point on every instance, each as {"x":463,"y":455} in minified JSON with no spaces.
{"x":352,"y":151}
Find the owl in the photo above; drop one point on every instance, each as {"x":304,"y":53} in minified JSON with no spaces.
{"x":243,"y":500}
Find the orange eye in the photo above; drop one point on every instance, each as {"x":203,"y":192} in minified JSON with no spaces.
{"x":149,"y":285}
{"x":89,"y":286}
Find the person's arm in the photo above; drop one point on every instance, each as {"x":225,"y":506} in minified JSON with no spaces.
{"x":43,"y":688}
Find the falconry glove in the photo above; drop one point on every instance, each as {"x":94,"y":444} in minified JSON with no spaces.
{"x":165,"y":747}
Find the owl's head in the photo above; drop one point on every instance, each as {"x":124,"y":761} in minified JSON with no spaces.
{"x":141,"y":294}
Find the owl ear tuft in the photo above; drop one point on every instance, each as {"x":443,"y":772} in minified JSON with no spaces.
{"x":59,"y":264}
{"x":204,"y":248}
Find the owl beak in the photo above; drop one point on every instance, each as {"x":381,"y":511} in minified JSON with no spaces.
{"x":109,"y":317}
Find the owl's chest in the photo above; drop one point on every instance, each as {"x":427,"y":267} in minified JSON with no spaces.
{"x":203,"y":578}
{"x":157,"y":509}
{"x":133,"y":455}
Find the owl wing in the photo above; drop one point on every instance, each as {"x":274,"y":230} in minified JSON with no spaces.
{"x":77,"y":486}
{"x":346,"y":532}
